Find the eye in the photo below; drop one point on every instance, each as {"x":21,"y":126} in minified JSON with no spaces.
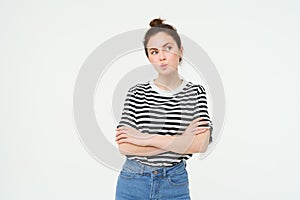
{"x":153,"y":52}
{"x":168,"y":48}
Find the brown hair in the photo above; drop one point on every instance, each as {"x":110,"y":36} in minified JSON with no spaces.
{"x":158,"y":25}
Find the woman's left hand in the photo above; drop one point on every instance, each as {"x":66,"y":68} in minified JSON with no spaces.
{"x":127,"y":134}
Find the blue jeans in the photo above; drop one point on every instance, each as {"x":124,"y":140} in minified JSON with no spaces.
{"x":141,"y":182}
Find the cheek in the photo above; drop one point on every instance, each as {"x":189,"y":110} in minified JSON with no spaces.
{"x":174,"y":57}
{"x":152,"y":59}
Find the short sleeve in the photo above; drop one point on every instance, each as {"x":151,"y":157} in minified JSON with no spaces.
{"x":201,"y":109}
{"x":128,"y":117}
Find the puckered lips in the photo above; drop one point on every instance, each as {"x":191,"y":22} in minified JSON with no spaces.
{"x":163,"y":65}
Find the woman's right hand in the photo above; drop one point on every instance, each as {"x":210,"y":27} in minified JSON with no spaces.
{"x":195,"y":127}
{"x":126,"y":134}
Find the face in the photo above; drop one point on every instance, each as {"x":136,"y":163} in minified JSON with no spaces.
{"x":163,"y":53}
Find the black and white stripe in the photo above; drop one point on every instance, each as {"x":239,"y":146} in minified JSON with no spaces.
{"x":152,"y":111}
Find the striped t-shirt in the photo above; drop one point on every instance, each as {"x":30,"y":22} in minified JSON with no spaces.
{"x":152,"y":110}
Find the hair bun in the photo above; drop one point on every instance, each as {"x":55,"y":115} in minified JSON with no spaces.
{"x":156,"y":22}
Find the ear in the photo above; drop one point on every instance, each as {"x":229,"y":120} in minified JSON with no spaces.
{"x":181,"y":52}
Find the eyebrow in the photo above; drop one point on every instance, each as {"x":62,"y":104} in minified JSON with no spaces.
{"x":153,"y":48}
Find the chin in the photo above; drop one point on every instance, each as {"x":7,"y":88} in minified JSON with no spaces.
{"x":167,"y":72}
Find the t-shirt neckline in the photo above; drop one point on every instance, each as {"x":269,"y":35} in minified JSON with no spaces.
{"x":168,"y":92}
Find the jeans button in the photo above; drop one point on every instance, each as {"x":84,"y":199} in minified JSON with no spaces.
{"x":155,"y":172}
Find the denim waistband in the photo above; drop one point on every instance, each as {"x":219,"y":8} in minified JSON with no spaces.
{"x":139,"y":168}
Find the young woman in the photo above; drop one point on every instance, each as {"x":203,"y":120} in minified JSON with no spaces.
{"x":164,"y":121}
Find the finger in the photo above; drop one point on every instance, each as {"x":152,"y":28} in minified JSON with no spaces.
{"x":125,"y":127}
{"x":205,"y":128}
{"x":197,"y":119}
{"x":195,"y":125}
{"x":201,"y":129}
{"x":122,"y":141}
{"x":203,"y":123}
{"x":121,"y":136}
{"x":121,"y":128}
{"x":119,"y":132}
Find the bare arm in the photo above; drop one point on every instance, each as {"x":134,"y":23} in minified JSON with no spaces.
{"x":127,"y":148}
{"x":194,"y":140}
{"x":182,"y":144}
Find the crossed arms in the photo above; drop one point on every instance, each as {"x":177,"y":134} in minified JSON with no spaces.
{"x":194,"y":139}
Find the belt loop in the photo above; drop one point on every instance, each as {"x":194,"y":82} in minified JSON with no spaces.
{"x":142,"y":169}
{"x":164,"y":172}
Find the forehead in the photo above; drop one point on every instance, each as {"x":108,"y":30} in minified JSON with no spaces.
{"x":160,"y":39}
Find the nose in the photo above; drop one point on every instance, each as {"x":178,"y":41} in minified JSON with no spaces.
{"x":162,"y":55}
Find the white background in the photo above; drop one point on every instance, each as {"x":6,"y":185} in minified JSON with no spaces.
{"x":254,"y":45}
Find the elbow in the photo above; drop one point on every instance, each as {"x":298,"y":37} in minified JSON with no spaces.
{"x":127,"y":149}
{"x":201,"y":143}
{"x":122,"y":152}
{"x":203,"y":148}
{"x":198,"y":149}
{"x":122,"y":149}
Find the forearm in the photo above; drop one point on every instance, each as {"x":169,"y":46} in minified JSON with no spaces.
{"x":182,"y":144}
{"x":133,"y":142}
{"x":132,"y":149}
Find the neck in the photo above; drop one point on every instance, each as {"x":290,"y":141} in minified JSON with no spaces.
{"x":169,"y":82}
